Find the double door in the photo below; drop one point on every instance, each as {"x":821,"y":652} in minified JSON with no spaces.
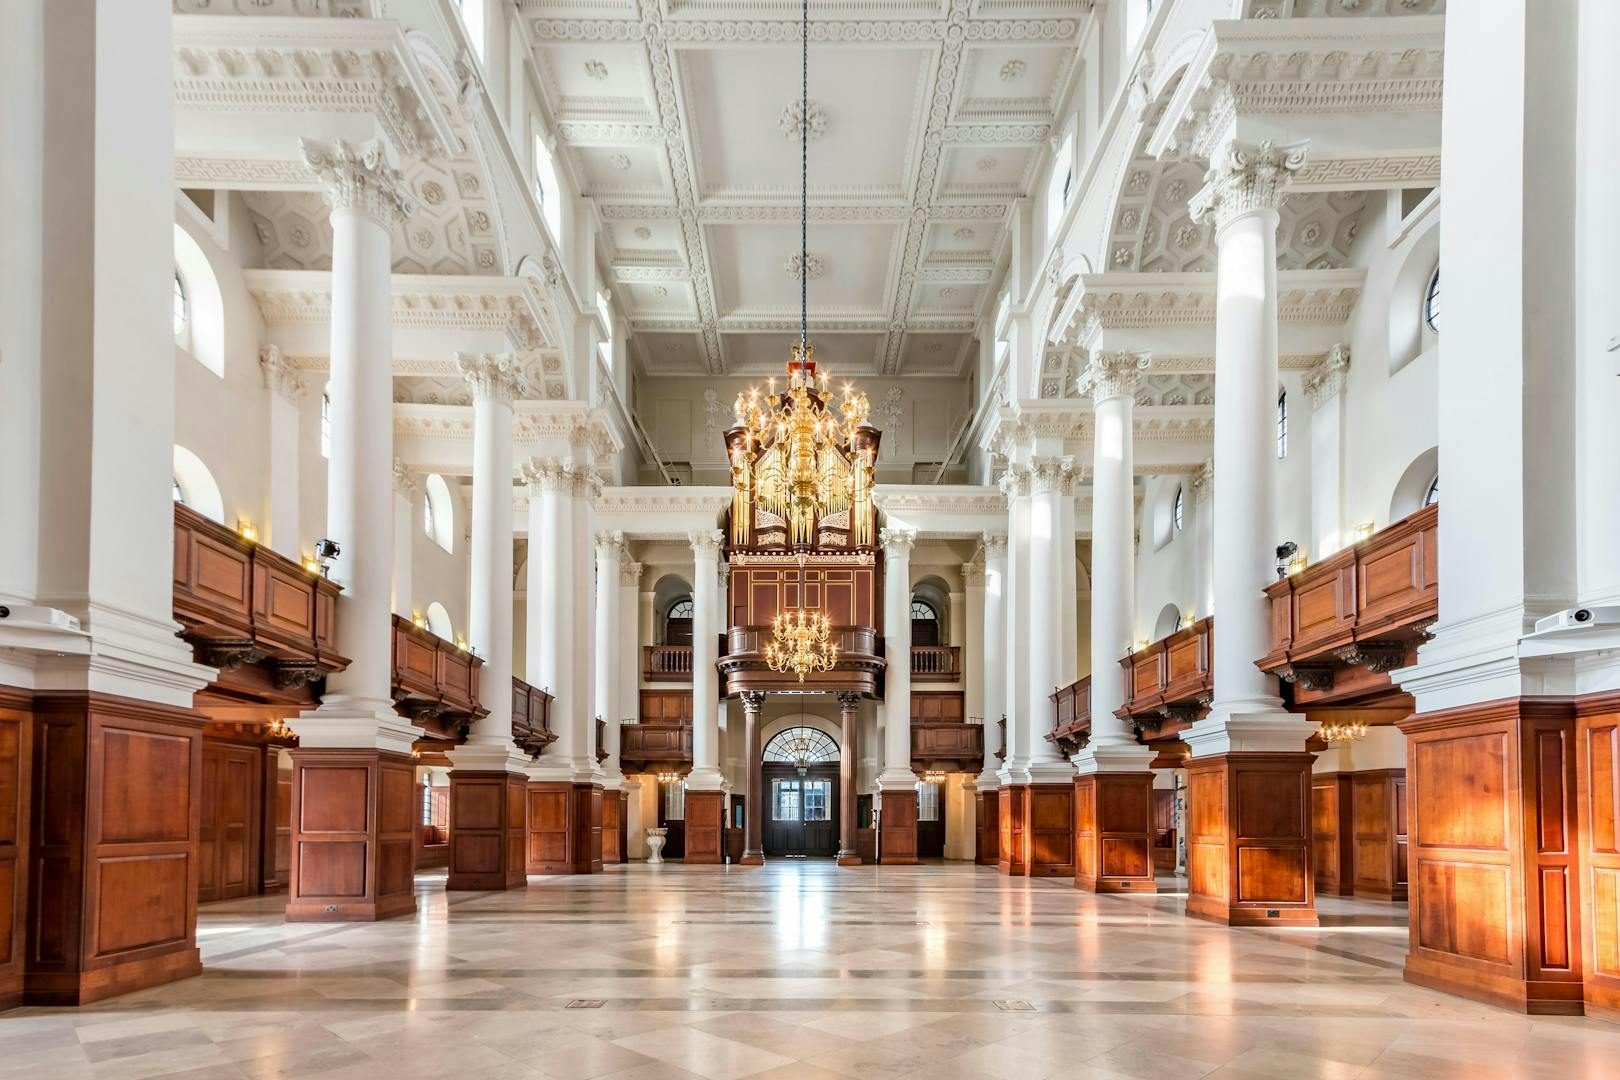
{"x":801,"y":812}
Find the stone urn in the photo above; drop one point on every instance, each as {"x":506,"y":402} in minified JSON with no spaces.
{"x":655,"y":845}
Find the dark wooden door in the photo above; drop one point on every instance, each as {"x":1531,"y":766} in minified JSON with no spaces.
{"x":801,"y":812}
{"x":931,"y":821}
{"x":228,"y":856}
{"x":672,"y":816}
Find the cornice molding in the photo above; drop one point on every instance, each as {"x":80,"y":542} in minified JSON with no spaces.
{"x":1327,"y":376}
{"x":281,"y":376}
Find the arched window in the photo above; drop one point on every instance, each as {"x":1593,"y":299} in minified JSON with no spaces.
{"x":195,"y":486}
{"x":438,"y":620}
{"x":182,"y":309}
{"x":1176,"y":510}
{"x":678,"y":622}
{"x":924,"y":623}
{"x":545,"y":186}
{"x":1431,"y":303}
{"x":1432,"y":495}
{"x":1060,"y":185}
{"x":438,"y":512}
{"x":801,"y":745}
{"x":326,"y":424}
{"x":1282,"y":424}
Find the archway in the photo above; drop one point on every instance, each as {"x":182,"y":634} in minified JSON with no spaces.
{"x":799,"y":781}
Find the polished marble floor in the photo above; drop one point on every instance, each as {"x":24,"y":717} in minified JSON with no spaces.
{"x":798,"y":970}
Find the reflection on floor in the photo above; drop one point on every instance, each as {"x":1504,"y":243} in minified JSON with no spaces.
{"x":798,"y":970}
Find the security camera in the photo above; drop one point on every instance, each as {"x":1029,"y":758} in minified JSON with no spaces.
{"x":325,"y":551}
{"x":1285,"y":552}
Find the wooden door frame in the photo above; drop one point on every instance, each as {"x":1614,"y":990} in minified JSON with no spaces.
{"x":779,"y":770}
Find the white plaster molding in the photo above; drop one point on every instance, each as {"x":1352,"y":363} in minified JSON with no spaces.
{"x":1326,"y":378}
{"x":359,"y":179}
{"x":280,"y":376}
{"x":1243,"y":179}
{"x":492,"y":375}
{"x":1112,"y":374}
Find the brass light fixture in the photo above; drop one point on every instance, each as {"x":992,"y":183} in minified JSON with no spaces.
{"x":803,"y":640}
{"x":1342,"y":731}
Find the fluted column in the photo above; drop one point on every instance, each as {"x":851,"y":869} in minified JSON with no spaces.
{"x":849,"y":711}
{"x":286,"y":386}
{"x":609,"y":553}
{"x":495,"y":380}
{"x":754,"y":818}
{"x":705,"y":775}
{"x":1111,"y":380}
{"x":367,"y":195}
{"x":1241,"y":196}
{"x":1048,"y":478}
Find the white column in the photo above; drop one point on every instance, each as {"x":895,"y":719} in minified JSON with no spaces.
{"x":1111,"y":380}
{"x":366,"y":195}
{"x":1068,"y":668}
{"x":897,"y":774}
{"x":971,"y":638}
{"x":582,"y":621}
{"x":1324,"y":386}
{"x":1203,"y":492}
{"x":994,"y":667}
{"x":405,"y":522}
{"x":1241,"y":195}
{"x":1049,"y":476}
{"x":550,"y":638}
{"x":705,"y":775}
{"x":495,"y":380}
{"x":1016,"y":631}
{"x":286,"y":386}
{"x":609,"y":553}
{"x":630,"y":642}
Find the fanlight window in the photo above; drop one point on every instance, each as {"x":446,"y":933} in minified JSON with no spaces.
{"x":1175,"y":511}
{"x":921,"y":612}
{"x":1432,"y":496}
{"x":182,"y":309}
{"x":1431,"y":303}
{"x":1282,"y":424}
{"x":681,"y":609}
{"x":801,"y":745}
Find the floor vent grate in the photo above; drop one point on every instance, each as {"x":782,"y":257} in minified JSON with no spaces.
{"x":1015,"y":1006}
{"x":585,"y":1003}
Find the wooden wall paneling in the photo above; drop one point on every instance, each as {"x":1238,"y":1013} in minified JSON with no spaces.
{"x":1248,"y":839}
{"x":1113,"y":832}
{"x":1598,"y":787}
{"x":1378,"y":832}
{"x":16,"y":771}
{"x":232,"y":811}
{"x":114,"y":822}
{"x":1013,"y":852}
{"x":1164,"y":827}
{"x":612,"y":826}
{"x":1333,"y":841}
{"x":1495,"y":906}
{"x":705,"y":820}
{"x":987,"y":848}
{"x":275,"y":833}
{"x":547,"y":815}
{"x":1049,"y":830}
{"x":354,"y":815}
{"x":487,"y":840}
{"x":897,"y":829}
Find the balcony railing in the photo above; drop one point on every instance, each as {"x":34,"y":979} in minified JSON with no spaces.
{"x":531,"y":718}
{"x":1169,"y":683}
{"x":435,"y":683}
{"x":936,"y":663}
{"x":666,"y":663}
{"x":1340,"y":625}
{"x":1071,"y":716}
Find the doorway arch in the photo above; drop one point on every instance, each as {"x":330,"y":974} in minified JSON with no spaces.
{"x":800,"y":789}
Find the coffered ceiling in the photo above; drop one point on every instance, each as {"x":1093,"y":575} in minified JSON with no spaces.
{"x":680,"y":119}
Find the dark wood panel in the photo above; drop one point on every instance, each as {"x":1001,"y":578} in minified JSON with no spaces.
{"x":353,"y":836}
{"x":1013,"y":856}
{"x":897,"y":828}
{"x":1249,"y":843}
{"x":16,"y":751}
{"x":1332,"y":835}
{"x":705,"y":822}
{"x":487,"y":839}
{"x":1598,"y":794}
{"x":1049,"y":830}
{"x":988,"y":837}
{"x":229,"y":848}
{"x":1377,"y":826}
{"x":1113,"y":832}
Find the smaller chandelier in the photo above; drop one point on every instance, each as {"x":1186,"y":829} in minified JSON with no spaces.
{"x":669,"y":777}
{"x":1342,"y":731}
{"x":803,"y":644}
{"x":934,"y":776}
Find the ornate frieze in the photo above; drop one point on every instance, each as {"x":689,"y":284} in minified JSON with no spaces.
{"x":404,"y":480}
{"x":1324,"y":380}
{"x":1203,"y":483}
{"x":1243,"y":179}
{"x":359,"y":179}
{"x":1112,"y":374}
{"x":561,"y":476}
{"x":493,"y":375}
{"x":629,"y":570}
{"x":280,"y":376}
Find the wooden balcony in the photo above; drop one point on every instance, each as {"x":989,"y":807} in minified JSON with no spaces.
{"x":265,"y":621}
{"x":531,"y":718}
{"x":662,"y":739}
{"x":743,"y":667}
{"x":1169,"y":684}
{"x":1071,"y":716}
{"x":1339,"y":626}
{"x":435,"y":683}
{"x":942,"y":736}
{"x":666,"y":663}
{"x":936,"y":663}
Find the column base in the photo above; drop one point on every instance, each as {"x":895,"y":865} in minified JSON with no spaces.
{"x":1113,"y":832}
{"x":1494,"y":854}
{"x":487,"y":831}
{"x":354,"y":818}
{"x":1012,"y":853}
{"x":847,"y":858}
{"x":563,"y":822}
{"x":1049,"y":830}
{"x":1248,"y":839}
{"x":613,"y":810}
{"x":115,"y":892}
{"x":897,"y":828}
{"x":987,"y":845}
{"x":705,"y":828}
{"x":752,"y":858}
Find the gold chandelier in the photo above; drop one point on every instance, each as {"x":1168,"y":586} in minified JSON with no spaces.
{"x":802,"y":640}
{"x":1342,"y":731}
{"x":799,"y":456}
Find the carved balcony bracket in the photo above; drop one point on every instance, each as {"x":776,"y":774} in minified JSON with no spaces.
{"x":1378,"y":657}
{"x":226,"y":655}
{"x":1310,"y":676}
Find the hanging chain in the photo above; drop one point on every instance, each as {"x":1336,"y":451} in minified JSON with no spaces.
{"x":804,"y":187}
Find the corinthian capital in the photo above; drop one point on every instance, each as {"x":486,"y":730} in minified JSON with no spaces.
{"x":706,"y":543}
{"x":1326,"y":377}
{"x":280,"y":377}
{"x":897,"y":543}
{"x":492,"y":375}
{"x":1050,"y":474}
{"x":1243,"y":178}
{"x":359,"y":179}
{"x":994,"y":544}
{"x":610,"y":545}
{"x":629,"y":572}
{"x":1112,"y":374}
{"x":1015,"y":481}
{"x":404,"y":480}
